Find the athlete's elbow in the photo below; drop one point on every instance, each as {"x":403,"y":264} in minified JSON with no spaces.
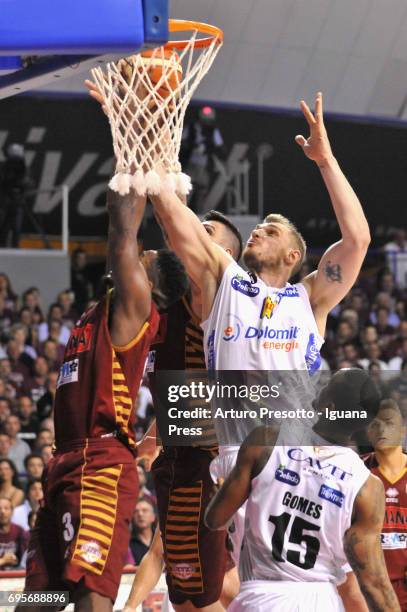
{"x":212,"y":519}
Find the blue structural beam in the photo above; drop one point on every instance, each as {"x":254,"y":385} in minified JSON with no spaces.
{"x":81,"y":27}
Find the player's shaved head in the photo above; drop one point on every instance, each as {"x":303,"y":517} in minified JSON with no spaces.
{"x":230,"y":238}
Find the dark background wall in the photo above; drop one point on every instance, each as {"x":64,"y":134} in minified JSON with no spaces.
{"x":74,"y":146}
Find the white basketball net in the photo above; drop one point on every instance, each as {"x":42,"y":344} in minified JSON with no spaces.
{"x":146,"y":125}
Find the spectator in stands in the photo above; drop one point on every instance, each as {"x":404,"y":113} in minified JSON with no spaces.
{"x":398,"y":385}
{"x":34,"y":466}
{"x":69,"y":313}
{"x":50,"y":350}
{"x":45,"y":404}
{"x":45,"y":437}
{"x":396,"y":255}
{"x":80,"y":281}
{"x":19,"y":333}
{"x":144,"y":491}
{"x":49,"y":425}
{"x":202,"y":144}
{"x":7,"y":376}
{"x":384,"y":300}
{"x":35,"y":386}
{"x":7,"y":292}
{"x":4,"y":445}
{"x":351,"y":353}
{"x":6,"y":315}
{"x":142,"y":529}
{"x":46,"y":453}
{"x":396,"y":363}
{"x":20,"y":364}
{"x":25,"y":316}
{"x":5,"y":409}
{"x":32,"y":301}
{"x":55,"y":313}
{"x":9,"y":483}
{"x":28,"y":419}
{"x":33,"y":496}
{"x":385,"y":331}
{"x":372,"y":353}
{"x":13,"y":539}
{"x":18,"y":449}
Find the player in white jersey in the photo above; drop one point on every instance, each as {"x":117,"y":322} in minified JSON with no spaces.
{"x":308,"y":508}
{"x":258,"y":320}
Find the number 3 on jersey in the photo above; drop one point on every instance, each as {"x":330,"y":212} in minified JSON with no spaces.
{"x":297,"y":536}
{"x":69,"y":531}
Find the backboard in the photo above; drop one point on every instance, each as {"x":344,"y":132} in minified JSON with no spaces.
{"x":43,"y":40}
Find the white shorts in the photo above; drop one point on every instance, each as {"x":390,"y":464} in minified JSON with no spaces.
{"x":284,"y":596}
{"x":221,"y":467}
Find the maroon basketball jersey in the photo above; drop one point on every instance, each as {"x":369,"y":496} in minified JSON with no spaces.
{"x":394,"y":532}
{"x":98,"y":382}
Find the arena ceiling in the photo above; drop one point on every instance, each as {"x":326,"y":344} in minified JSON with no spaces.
{"x":279,"y":51}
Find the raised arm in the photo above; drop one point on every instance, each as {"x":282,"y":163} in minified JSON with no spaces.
{"x":341,"y":263}
{"x":204,"y":261}
{"x":233,"y":492}
{"x":364,"y":551}
{"x":253,"y":456}
{"x":132,"y":290}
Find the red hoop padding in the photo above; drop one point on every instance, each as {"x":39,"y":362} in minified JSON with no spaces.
{"x":180,"y":25}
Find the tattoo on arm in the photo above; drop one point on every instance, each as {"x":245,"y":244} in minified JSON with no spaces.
{"x":363,"y":550}
{"x":333,"y":272}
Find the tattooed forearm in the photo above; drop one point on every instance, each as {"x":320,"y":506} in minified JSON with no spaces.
{"x":370,"y":569}
{"x":333,"y":272}
{"x":350,"y":544}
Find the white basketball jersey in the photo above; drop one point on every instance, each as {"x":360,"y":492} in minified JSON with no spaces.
{"x":299,"y":509}
{"x":255,"y":327}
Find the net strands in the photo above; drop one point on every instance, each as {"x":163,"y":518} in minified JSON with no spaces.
{"x":146,"y":117}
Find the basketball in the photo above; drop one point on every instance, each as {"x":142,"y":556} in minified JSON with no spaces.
{"x":167,"y":63}
{"x":151,"y":69}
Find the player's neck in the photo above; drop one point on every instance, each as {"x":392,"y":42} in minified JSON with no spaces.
{"x":273,"y":278}
{"x":391,"y":460}
{"x":5,"y":528}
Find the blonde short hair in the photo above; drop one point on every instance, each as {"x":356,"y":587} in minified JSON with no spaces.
{"x":298,"y":239}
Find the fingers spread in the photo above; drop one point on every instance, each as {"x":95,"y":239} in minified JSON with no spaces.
{"x":318,"y":107}
{"x":307,"y":113}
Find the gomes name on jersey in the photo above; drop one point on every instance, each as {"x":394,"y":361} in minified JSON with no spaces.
{"x":297,"y":502}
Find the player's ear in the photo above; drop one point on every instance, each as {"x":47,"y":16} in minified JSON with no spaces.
{"x":229,"y":251}
{"x":292,"y":257}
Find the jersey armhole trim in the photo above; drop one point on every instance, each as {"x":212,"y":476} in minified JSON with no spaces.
{"x":129,"y":345}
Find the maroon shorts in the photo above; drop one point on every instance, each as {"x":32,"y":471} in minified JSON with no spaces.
{"x":82,"y":531}
{"x":195,"y":557}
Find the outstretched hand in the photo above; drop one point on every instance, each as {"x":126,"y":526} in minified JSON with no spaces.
{"x":96,"y":95}
{"x":316,"y":146}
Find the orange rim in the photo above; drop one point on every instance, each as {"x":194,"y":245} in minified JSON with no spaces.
{"x":179,"y":25}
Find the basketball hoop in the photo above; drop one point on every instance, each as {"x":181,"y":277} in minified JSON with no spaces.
{"x":146,"y":97}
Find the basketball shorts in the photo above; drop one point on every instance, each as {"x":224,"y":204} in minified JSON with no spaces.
{"x":220,"y":468}
{"x":195,"y":557}
{"x":284,"y":596}
{"x":82,"y":530}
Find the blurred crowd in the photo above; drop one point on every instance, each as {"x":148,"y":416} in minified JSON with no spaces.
{"x":368,"y":329}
